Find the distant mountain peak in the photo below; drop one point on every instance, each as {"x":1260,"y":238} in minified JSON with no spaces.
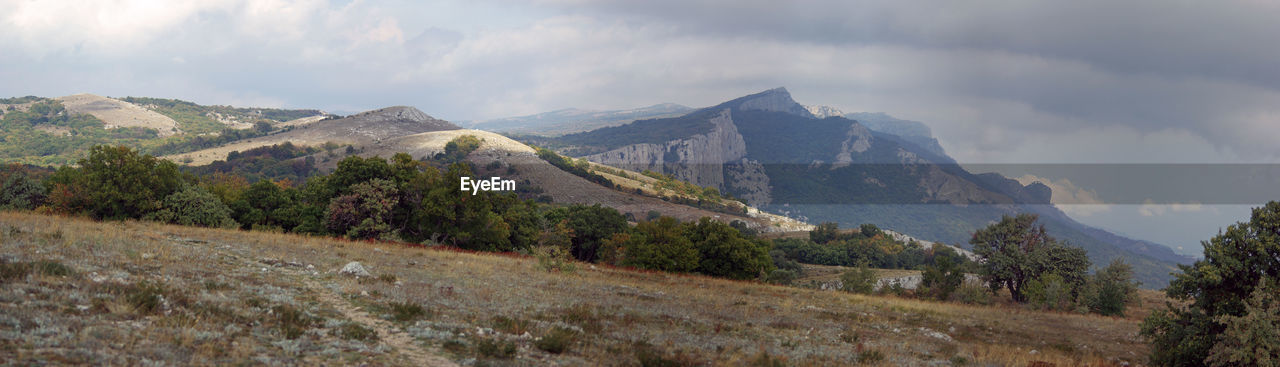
{"x":776,"y":99}
{"x":398,"y":114}
{"x":823,"y":112}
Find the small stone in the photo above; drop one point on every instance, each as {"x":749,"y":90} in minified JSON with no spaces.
{"x":412,"y":263}
{"x":311,"y":267}
{"x":354,"y":269}
{"x":148,"y":256}
{"x":1033,"y":351}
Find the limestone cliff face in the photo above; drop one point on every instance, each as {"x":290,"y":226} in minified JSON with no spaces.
{"x":704,"y":159}
{"x":777,"y":100}
{"x":857,"y":140}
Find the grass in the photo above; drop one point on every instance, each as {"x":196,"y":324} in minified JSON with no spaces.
{"x":224,"y":307}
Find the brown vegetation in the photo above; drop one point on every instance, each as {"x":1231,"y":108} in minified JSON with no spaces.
{"x":139,"y":291}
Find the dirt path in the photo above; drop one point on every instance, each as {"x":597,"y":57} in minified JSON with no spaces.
{"x":412,"y":354}
{"x":387,"y":333}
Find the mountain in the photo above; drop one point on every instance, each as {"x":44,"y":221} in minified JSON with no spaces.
{"x":780,"y":156}
{"x":61,"y":130}
{"x":573,"y":120}
{"x":914,"y":132}
{"x":385,"y":132}
{"x":362,"y":129}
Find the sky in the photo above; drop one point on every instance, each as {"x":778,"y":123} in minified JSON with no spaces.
{"x":1144,"y":81}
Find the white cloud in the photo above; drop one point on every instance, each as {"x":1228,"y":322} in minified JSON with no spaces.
{"x":1075,"y":201}
{"x":1151,"y":209}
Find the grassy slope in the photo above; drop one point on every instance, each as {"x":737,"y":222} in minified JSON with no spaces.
{"x":223,"y":290}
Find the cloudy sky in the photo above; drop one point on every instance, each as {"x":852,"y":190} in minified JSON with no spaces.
{"x":1141,"y":81}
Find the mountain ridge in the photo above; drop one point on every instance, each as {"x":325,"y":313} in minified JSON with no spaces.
{"x":834,"y":168}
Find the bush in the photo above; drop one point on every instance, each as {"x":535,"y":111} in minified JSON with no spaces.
{"x":356,"y":331}
{"x":557,"y":340}
{"x":1111,"y":289}
{"x":193,"y":206}
{"x":661,"y":245}
{"x":292,"y":322}
{"x":974,"y":293}
{"x":1252,"y":339}
{"x":20,"y":191}
{"x":1236,"y":261}
{"x":861,"y":280}
{"x":496,"y":349}
{"x":407,"y":311}
{"x":458,"y":148}
{"x":781,"y":277}
{"x":1049,"y":292}
{"x":941,"y":279}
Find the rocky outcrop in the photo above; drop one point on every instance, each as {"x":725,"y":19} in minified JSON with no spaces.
{"x":823,"y":112}
{"x":703,"y":159}
{"x":857,"y":140}
{"x":777,"y":100}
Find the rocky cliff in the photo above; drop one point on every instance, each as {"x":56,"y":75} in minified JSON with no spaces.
{"x":703,"y":159}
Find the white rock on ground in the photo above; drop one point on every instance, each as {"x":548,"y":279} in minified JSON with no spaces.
{"x":354,"y":268}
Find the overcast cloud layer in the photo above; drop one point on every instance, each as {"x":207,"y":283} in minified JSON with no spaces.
{"x":1141,"y":81}
{"x":1085,"y":81}
{"x":1021,"y":82}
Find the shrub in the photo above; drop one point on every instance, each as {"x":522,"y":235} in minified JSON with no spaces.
{"x":14,"y":271}
{"x":292,"y":322}
{"x":1111,"y":289}
{"x":1236,"y":261}
{"x":355,"y":331}
{"x":365,"y":213}
{"x":1252,"y":339}
{"x":974,"y":293}
{"x":861,"y":280}
{"x":941,"y":279}
{"x":458,"y":148}
{"x":193,"y":206}
{"x":496,"y":349}
{"x":51,"y":268}
{"x":557,"y":340}
{"x":509,"y":325}
{"x":781,"y":277}
{"x":407,"y":311}
{"x":1050,"y":292}
{"x":145,"y":297}
{"x":661,"y":245}
{"x":20,"y":191}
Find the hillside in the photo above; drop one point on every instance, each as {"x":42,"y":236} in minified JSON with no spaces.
{"x":133,"y":293}
{"x":370,"y":128}
{"x":778,"y":155}
{"x":572,"y":120}
{"x":58,"y":131}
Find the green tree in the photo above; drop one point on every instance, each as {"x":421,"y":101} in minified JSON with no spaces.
{"x":1111,"y":289}
{"x":725,"y":253}
{"x":365,"y":212}
{"x":1252,"y":339}
{"x":1016,"y":251}
{"x":117,"y":182}
{"x":860,"y":280}
{"x":825,"y":232}
{"x":941,"y":279}
{"x":193,"y":206}
{"x":457,"y":149}
{"x":18,"y":190}
{"x":661,"y":245}
{"x":1235,"y":262}
{"x":869,"y":230}
{"x":591,"y":225}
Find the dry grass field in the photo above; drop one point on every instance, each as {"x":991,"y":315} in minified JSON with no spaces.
{"x":74,"y":291}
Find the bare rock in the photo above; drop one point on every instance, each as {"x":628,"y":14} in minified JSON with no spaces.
{"x":354,"y":269}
